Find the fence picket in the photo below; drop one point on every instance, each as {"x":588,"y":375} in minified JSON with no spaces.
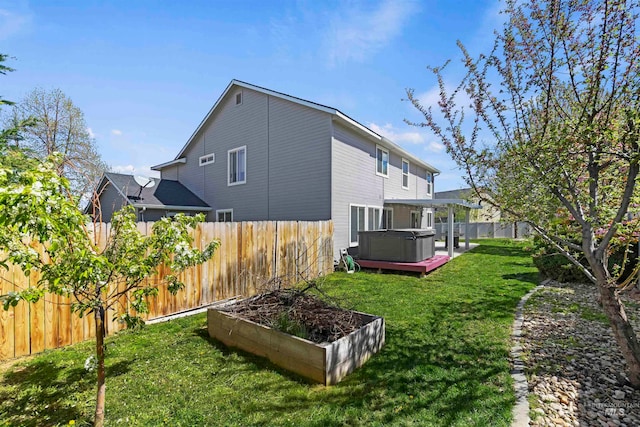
{"x":250,"y":254}
{"x":7,"y":318}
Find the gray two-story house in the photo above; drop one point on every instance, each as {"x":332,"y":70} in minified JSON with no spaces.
{"x":263,"y":155}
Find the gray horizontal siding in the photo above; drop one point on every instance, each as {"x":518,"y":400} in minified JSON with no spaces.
{"x":111,"y":201}
{"x":354,"y":181}
{"x":417,"y":180}
{"x":299,"y":162}
{"x":288,"y":160}
{"x":190,"y":174}
{"x":170,"y":172}
{"x":157,"y":214}
{"x":230,"y":127}
{"x":235,"y":126}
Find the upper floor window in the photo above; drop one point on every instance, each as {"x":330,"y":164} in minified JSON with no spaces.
{"x":207,"y":159}
{"x":405,"y":174}
{"x":238,"y":97}
{"x":429,"y":182}
{"x":237,"y":166}
{"x":382,"y":161}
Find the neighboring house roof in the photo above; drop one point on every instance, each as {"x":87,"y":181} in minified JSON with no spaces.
{"x":462,"y":193}
{"x":164,"y":194}
{"x":337,"y":114}
{"x":434,"y":203}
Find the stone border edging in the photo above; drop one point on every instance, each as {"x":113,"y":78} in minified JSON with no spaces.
{"x":521,"y":409}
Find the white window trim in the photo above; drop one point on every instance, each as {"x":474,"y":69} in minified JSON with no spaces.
{"x":403,"y":174}
{"x":219,"y":211}
{"x":208,"y":159}
{"x":366,"y":216}
{"x":383,"y":149}
{"x":429,"y":184}
{"x":235,"y":97}
{"x":352,"y":205}
{"x":233,"y":150}
{"x":388,"y":210}
{"x":429,"y":216}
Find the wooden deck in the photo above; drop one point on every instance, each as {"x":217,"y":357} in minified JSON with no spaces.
{"x":422,"y":267}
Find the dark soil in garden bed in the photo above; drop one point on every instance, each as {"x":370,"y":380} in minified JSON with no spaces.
{"x":299,"y":313}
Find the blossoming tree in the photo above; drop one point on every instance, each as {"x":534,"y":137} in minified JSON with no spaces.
{"x":553,"y":128}
{"x":37,"y":211}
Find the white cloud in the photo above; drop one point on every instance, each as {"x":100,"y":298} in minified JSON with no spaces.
{"x":116,"y":132}
{"x":396,"y":135}
{"x":130,"y":169}
{"x":91,"y":134}
{"x":124,"y":169}
{"x":356,"y":33}
{"x":430,"y":98}
{"x":12,"y":23}
{"x":435,"y":147}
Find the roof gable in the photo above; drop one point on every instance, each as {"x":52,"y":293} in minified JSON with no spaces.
{"x":337,"y":115}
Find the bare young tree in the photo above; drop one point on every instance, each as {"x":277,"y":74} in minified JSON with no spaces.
{"x":552,"y":131}
{"x":60,"y":127}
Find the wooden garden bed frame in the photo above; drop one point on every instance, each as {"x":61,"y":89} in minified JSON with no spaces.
{"x":326,"y":363}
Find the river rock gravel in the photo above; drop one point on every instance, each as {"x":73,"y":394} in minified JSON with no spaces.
{"x":575,"y":370}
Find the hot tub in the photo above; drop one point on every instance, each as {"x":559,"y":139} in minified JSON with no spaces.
{"x":403,"y":245}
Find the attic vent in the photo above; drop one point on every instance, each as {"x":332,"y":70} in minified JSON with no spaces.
{"x":239,"y":98}
{"x":207,"y":159}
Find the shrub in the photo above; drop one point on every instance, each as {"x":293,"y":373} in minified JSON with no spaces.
{"x":554,"y":265}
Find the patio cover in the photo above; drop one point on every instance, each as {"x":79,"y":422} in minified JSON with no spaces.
{"x":450,"y":204}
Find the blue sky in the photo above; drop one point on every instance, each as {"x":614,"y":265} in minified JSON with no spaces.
{"x":145,"y":73}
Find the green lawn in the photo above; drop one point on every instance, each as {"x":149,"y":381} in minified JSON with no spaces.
{"x":445,"y":362}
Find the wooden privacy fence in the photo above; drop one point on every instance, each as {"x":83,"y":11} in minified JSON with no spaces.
{"x":250,"y":254}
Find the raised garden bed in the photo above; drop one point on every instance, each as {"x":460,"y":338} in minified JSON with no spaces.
{"x":345,"y":339}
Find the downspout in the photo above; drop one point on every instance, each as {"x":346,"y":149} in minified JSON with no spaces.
{"x":141,"y":213}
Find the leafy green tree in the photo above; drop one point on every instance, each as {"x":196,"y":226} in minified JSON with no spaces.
{"x":12,"y":132}
{"x":551,"y":134}
{"x":60,"y":127}
{"x":4,"y":69}
{"x":36,"y":210}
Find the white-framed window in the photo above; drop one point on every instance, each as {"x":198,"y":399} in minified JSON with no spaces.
{"x":224,"y":215}
{"x":416,"y":219}
{"x":429,"y":219}
{"x":382,"y":161}
{"x":429,"y":183}
{"x":357,"y":214}
{"x":237,"y":166}
{"x":374,"y":218}
{"x":239,"y":97}
{"x":387,"y":218}
{"x":207,"y":159}
{"x":405,"y":174}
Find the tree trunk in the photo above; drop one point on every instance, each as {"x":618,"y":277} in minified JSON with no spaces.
{"x":100,"y":400}
{"x":623,"y":331}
